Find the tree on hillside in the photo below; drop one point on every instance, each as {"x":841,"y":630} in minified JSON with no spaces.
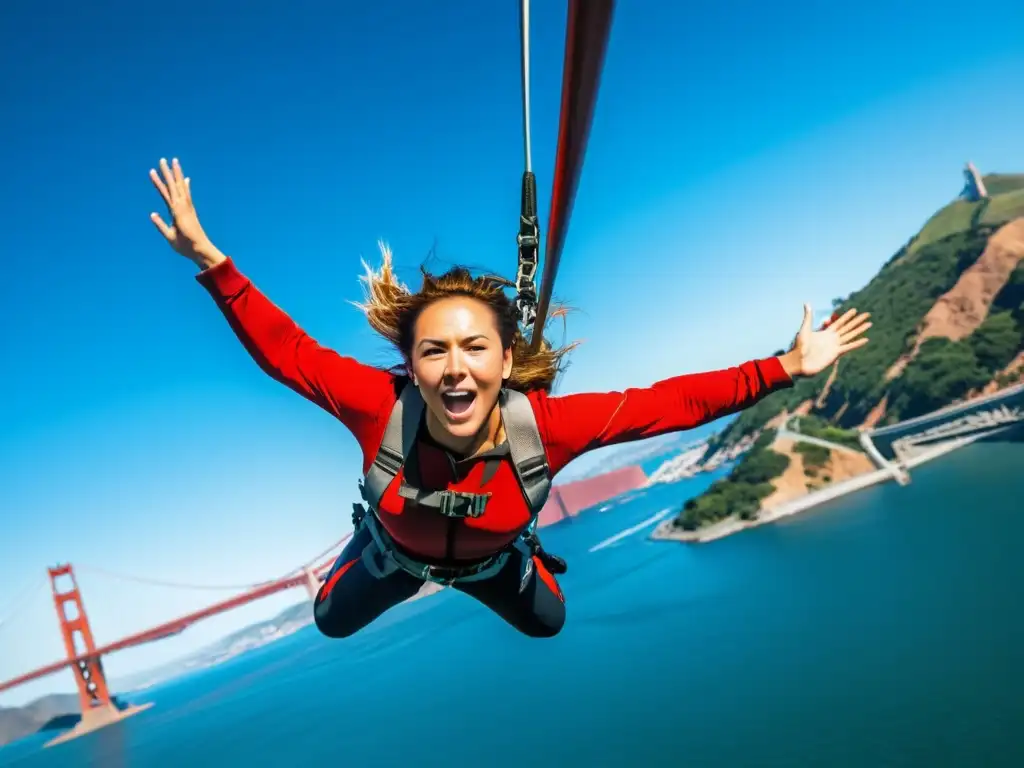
{"x":942,"y":372}
{"x":898,"y":298}
{"x":1011,"y":297}
{"x":995,"y":342}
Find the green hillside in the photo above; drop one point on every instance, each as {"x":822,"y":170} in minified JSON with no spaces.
{"x":898,"y":298}
{"x":1001,"y":183}
{"x":1004,"y":203}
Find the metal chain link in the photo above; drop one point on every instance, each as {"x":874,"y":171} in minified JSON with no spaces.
{"x":528,"y":239}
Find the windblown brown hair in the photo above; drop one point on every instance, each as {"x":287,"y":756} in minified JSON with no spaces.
{"x":392,"y":310}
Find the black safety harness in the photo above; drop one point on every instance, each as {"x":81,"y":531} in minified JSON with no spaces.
{"x":526,"y":450}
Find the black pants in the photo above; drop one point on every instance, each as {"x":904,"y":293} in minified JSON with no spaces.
{"x":351,"y":597}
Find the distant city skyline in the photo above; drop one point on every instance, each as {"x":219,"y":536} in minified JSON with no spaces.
{"x":732,"y":175}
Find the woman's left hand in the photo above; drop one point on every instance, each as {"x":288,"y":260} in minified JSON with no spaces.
{"x":814,"y":351}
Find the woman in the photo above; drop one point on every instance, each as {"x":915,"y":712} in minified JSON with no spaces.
{"x":464,"y":361}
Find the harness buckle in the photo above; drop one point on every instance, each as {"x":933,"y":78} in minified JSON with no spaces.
{"x":555,"y":564}
{"x":438,"y":575}
{"x":388,"y":460}
{"x":463,"y":503}
{"x":533,"y":467}
{"x":451,"y":574}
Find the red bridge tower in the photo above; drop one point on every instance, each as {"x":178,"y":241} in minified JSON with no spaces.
{"x":98,"y":708}
{"x":78,"y":642}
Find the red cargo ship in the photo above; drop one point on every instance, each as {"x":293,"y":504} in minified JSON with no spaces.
{"x":568,"y":499}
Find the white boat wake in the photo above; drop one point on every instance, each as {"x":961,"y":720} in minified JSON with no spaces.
{"x":632,"y":529}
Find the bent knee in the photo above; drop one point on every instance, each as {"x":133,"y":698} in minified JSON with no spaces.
{"x":547,"y":623}
{"x":545,"y":630}
{"x":336,"y":630}
{"x":334,"y":624}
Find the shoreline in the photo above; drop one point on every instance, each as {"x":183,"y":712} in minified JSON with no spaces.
{"x":666,"y":531}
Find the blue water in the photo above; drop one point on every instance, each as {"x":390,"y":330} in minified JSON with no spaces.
{"x":881,"y":629}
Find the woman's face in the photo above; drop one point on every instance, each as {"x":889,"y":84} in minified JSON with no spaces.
{"x":458,"y":363}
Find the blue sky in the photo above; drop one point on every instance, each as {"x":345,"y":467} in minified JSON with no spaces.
{"x":742,"y":161}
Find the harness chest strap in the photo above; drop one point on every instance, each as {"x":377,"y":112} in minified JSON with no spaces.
{"x":525,"y":448}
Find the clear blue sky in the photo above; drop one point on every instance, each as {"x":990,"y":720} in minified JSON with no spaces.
{"x":742,"y":161}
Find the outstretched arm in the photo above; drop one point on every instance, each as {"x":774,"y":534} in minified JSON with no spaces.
{"x":354,"y":393}
{"x":574,"y":424}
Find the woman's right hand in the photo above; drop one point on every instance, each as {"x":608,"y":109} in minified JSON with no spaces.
{"x":184,"y":234}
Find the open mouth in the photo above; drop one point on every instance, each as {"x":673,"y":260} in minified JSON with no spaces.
{"x":458,"y":403}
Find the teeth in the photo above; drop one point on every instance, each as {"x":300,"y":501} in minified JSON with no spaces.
{"x":458,"y":394}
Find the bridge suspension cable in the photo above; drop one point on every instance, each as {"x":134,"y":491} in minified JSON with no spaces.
{"x":166,"y":583}
{"x":22,"y":599}
{"x":205,"y":587}
{"x":326,"y":552}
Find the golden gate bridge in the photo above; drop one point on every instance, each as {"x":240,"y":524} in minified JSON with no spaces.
{"x":84,"y":657}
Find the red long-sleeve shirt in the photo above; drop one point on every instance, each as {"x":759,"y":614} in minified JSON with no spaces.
{"x":361,"y":397}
